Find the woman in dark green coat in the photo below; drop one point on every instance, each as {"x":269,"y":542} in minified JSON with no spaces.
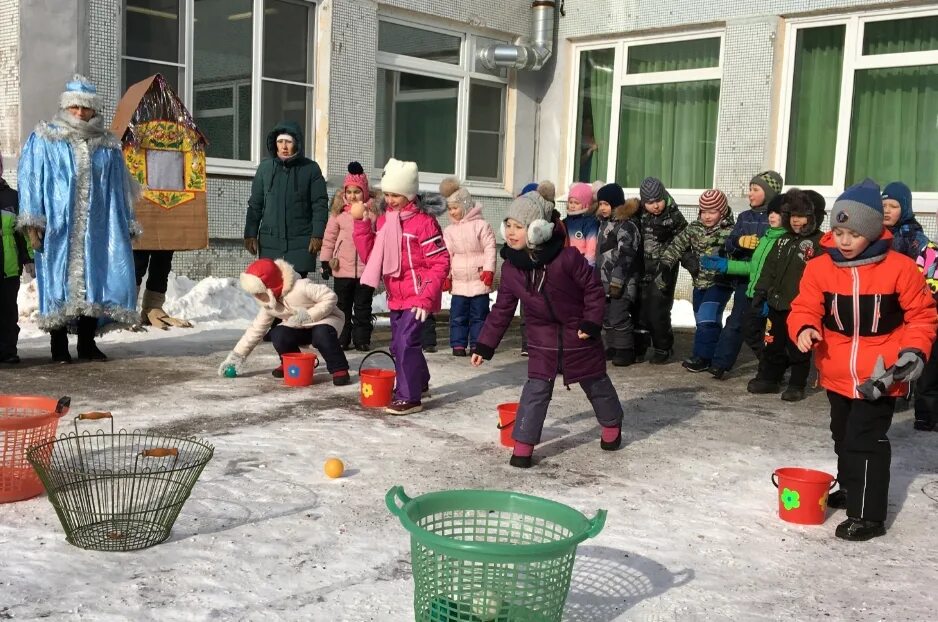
{"x":288,"y":208}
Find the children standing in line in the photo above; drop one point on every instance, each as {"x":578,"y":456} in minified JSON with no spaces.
{"x":16,"y":257}
{"x":661,"y":221}
{"x":705,"y":236}
{"x":471,"y":244}
{"x":307,"y":312}
{"x":581,"y":223}
{"x":339,"y":259}
{"x":866,"y":310}
{"x":620,"y":268}
{"x":750,"y":227}
{"x":409,"y":253}
{"x":802,"y":215}
{"x":754,"y":330}
{"x":564,"y":300}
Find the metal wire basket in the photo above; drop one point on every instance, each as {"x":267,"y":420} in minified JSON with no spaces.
{"x":120,"y":491}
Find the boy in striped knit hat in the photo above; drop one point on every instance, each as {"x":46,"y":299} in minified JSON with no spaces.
{"x":705,"y":236}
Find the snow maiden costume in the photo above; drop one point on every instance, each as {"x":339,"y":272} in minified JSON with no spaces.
{"x":76,"y":197}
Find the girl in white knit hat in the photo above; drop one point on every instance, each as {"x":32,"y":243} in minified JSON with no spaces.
{"x":407,"y":250}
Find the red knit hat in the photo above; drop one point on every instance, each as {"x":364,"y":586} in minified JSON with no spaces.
{"x":356,"y":177}
{"x":261,"y":275}
{"x":713,"y":200}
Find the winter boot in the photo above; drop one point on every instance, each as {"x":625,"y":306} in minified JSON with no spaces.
{"x":759,"y":386}
{"x":400,"y":407}
{"x":660,"y":357}
{"x":611,"y":439}
{"x":58,"y":339}
{"x":718,"y":372}
{"x":793,"y":394}
{"x":924,"y":425}
{"x":860,"y":530}
{"x":610,"y":352}
{"x":623,"y":358}
{"x":837,"y":500}
{"x":87,"y":348}
{"x":152,"y":313}
{"x":341,"y":378}
{"x":278,"y":372}
{"x":459,"y":352}
{"x":695,"y":364}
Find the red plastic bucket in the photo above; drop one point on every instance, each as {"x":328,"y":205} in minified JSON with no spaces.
{"x":376,"y":386}
{"x":802,"y":494}
{"x":298,"y":369}
{"x":506,"y":422}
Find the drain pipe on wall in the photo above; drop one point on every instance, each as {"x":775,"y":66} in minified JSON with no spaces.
{"x":526,"y":54}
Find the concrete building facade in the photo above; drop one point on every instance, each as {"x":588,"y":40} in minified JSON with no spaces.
{"x":702,"y":94}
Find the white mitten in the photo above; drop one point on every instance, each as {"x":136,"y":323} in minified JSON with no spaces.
{"x":232,"y":360}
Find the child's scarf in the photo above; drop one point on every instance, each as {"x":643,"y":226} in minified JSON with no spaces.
{"x":385,"y":257}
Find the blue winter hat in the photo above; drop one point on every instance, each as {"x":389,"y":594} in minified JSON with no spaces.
{"x":900,"y":193}
{"x":531,"y":187}
{"x":860,"y":209}
{"x":80,"y":91}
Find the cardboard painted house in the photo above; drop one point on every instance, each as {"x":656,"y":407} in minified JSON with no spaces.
{"x":165,"y":152}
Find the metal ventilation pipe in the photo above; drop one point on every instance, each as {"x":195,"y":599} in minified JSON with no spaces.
{"x":530,"y":54}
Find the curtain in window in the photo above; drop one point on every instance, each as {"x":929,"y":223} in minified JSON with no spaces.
{"x":669,"y":131}
{"x":894,"y":127}
{"x":815,"y":106}
{"x":594,"y":115}
{"x":425,"y":133}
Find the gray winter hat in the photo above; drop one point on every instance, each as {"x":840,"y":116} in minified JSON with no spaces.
{"x":533,"y":211}
{"x":860,"y":210}
{"x":651,"y":190}
{"x":770,"y":182}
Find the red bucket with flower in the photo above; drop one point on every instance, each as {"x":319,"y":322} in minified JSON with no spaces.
{"x":802,"y":494}
{"x":376,"y":385}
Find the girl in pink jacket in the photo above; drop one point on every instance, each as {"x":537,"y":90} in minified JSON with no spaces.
{"x":409,"y":253}
{"x":340,"y":259}
{"x":471,"y":244}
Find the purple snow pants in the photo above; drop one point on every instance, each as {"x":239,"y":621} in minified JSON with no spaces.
{"x":409,"y":363}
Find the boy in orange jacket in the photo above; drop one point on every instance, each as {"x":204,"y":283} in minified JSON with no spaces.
{"x":869,"y":314}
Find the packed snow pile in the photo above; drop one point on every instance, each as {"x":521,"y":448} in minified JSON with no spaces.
{"x":211,"y":299}
{"x":27,"y":300}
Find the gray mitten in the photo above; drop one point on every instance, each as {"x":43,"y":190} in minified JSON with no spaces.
{"x":909,"y":366}
{"x":878,"y":383}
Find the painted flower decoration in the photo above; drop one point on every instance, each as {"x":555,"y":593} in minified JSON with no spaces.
{"x":367,"y":391}
{"x":293,"y":371}
{"x":791,"y":499}
{"x":823,"y":503}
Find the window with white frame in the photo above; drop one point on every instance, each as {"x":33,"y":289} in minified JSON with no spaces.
{"x":436,"y":104}
{"x":248,"y":65}
{"x":861,"y":100}
{"x":648,"y":107}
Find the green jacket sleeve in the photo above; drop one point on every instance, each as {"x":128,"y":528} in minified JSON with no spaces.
{"x":737,"y":267}
{"x":252,"y":220}
{"x":319,"y":200}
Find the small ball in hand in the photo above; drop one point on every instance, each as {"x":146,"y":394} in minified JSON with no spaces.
{"x":231,"y":372}
{"x":357,"y":210}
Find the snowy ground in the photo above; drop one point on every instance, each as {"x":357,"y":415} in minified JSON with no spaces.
{"x":692,"y":531}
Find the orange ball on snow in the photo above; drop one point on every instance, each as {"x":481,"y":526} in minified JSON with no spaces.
{"x":333,"y":468}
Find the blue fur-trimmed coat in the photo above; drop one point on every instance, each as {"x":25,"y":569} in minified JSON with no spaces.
{"x":80,"y":193}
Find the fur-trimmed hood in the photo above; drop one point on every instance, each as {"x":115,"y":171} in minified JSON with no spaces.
{"x":627,"y":210}
{"x":431,"y":203}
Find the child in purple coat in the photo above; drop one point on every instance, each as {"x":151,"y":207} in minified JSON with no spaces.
{"x":564,"y":302}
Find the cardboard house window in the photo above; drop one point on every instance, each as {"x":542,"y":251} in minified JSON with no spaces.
{"x":164,"y":170}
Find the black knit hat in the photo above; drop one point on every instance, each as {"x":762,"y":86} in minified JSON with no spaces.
{"x":775,"y":205}
{"x":611,"y":194}
{"x":651,"y":190}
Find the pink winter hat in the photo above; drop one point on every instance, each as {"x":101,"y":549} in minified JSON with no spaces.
{"x":582,"y":193}
{"x":356,"y":177}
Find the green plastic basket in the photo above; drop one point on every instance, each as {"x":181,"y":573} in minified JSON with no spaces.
{"x":490,"y":556}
